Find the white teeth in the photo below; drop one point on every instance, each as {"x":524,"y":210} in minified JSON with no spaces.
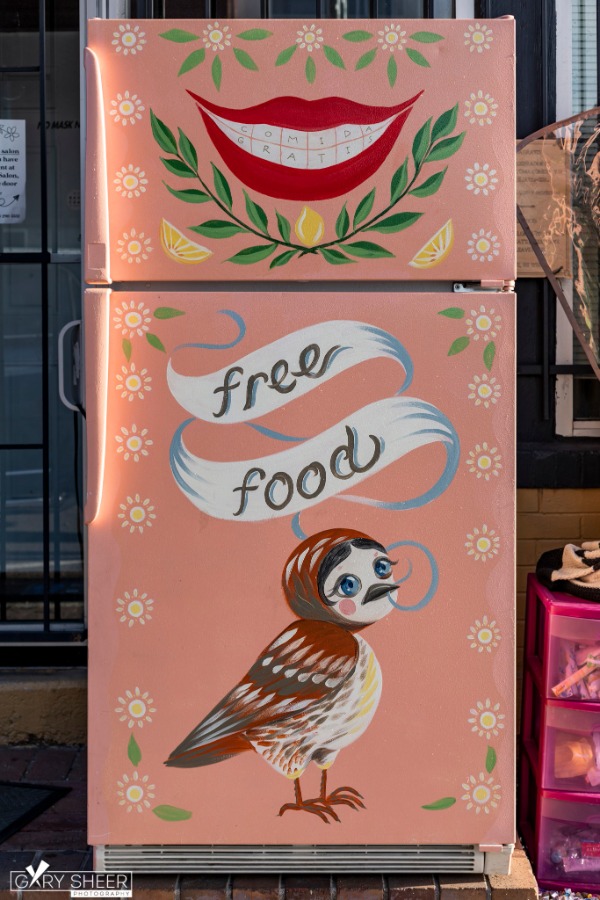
{"x":302,"y":149}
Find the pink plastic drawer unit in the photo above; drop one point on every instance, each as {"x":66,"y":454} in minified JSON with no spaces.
{"x":568,"y":842}
{"x":532,"y":719}
{"x":570,"y":751}
{"x":561,"y":642}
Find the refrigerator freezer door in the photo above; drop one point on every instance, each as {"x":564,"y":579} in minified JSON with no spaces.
{"x":245,"y":150}
{"x":301,"y":569}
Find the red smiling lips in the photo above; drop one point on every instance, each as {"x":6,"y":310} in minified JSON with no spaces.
{"x":304,"y":149}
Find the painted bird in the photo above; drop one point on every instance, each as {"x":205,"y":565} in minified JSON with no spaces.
{"x":314,"y":690}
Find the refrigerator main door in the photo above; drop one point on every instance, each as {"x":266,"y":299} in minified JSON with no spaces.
{"x":301,"y":570}
{"x":291,"y":150}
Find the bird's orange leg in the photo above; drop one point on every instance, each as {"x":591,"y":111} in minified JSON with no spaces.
{"x":342,"y":795}
{"x":316,"y":806}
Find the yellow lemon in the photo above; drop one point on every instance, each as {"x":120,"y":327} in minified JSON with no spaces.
{"x":436,"y":249}
{"x":310,"y":227}
{"x":178,"y":247}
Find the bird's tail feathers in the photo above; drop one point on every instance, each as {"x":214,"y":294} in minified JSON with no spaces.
{"x":208,"y":754}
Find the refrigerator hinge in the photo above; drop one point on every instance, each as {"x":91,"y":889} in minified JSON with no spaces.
{"x":470,"y":287}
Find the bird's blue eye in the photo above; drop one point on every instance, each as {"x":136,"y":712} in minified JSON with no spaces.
{"x":349,"y":585}
{"x":382,"y":567}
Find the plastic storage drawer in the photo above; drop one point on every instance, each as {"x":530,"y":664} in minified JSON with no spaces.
{"x":570,"y":756}
{"x":568,"y":838}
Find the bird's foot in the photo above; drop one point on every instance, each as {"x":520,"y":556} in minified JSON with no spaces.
{"x":345,"y":795}
{"x":315,"y":806}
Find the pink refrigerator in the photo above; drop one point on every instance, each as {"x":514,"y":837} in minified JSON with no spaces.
{"x":299,"y":335}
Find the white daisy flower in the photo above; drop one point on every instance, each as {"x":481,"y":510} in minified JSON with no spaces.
{"x":129,"y":40}
{"x":484,"y":635}
{"x":136,"y":514}
{"x":127,"y":109}
{"x":478,"y":37}
{"x":133,"y":444}
{"x":482,"y":544}
{"x":132,"y":383}
{"x":131,"y":318}
{"x":134,"y":247}
{"x":483,"y":246}
{"x":130,"y":181}
{"x":217,"y":37}
{"x":486,"y":719}
{"x":481,"y":793}
{"x":484,"y":461}
{"x":310,"y":38}
{"x":135,"y":708}
{"x":481,"y":179}
{"x":480,"y":108}
{"x":135,"y":792}
{"x":483,"y":323}
{"x":135,"y":607}
{"x":484,"y":390}
{"x":392,"y":38}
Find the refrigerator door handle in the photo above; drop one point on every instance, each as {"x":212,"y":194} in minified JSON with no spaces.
{"x":74,"y":367}
{"x":96,"y":238}
{"x":96,"y":348}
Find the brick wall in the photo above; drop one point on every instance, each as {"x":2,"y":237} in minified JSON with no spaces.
{"x":547,"y":519}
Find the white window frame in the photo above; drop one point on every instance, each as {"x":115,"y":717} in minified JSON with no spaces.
{"x":566,"y":424}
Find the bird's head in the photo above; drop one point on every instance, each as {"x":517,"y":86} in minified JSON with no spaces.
{"x":340,"y":576}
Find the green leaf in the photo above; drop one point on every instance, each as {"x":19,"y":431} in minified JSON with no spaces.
{"x":444,"y":149}
{"x":218,"y":228}
{"x":282,"y":259}
{"x":254,"y":34}
{"x":245,"y":59}
{"x":357,"y":36}
{"x":188,"y":151}
{"x":488,"y":355}
{"x":332,"y":56}
{"x":163,"y":136}
{"x":127,"y":348}
{"x":367,"y":250}
{"x":155,"y":341}
{"x":343,"y":223}
{"x":399,"y":182}
{"x":452,"y":312}
{"x":171,"y":813}
{"x":445,"y":124}
{"x":444,"y":803}
{"x":256,"y":214}
{"x":189,"y":195}
{"x":216,"y":72}
{"x":222,"y":187}
{"x":364,"y":208}
{"x":177,"y":167}
{"x":430,"y":186}
{"x":286,"y":55}
{"x":366,"y":59}
{"x":421,"y":143}
{"x":417,"y":57}
{"x":392,"y":71}
{"x":334,"y":257}
{"x":310,"y":70}
{"x":426,"y":37}
{"x":167,"y":312}
{"x":285,"y":229}
{"x":490,"y":760}
{"x":191,"y":61}
{"x":250,"y":255}
{"x":179,"y":36}
{"x":458,"y":346}
{"x":133,"y":751}
{"x":397,"y":222}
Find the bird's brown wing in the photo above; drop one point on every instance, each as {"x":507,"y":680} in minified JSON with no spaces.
{"x":307,"y":662}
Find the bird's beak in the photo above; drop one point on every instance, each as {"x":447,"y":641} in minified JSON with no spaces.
{"x":378,"y":590}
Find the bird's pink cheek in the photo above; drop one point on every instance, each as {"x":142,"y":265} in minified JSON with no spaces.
{"x":347,"y":606}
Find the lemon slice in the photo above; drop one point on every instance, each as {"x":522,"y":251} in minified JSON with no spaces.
{"x":436,"y":249}
{"x":179,"y":247}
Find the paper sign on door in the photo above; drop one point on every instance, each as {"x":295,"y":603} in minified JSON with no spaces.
{"x":12,"y":171}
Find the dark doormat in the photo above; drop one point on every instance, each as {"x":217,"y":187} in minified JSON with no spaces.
{"x":20,"y":803}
